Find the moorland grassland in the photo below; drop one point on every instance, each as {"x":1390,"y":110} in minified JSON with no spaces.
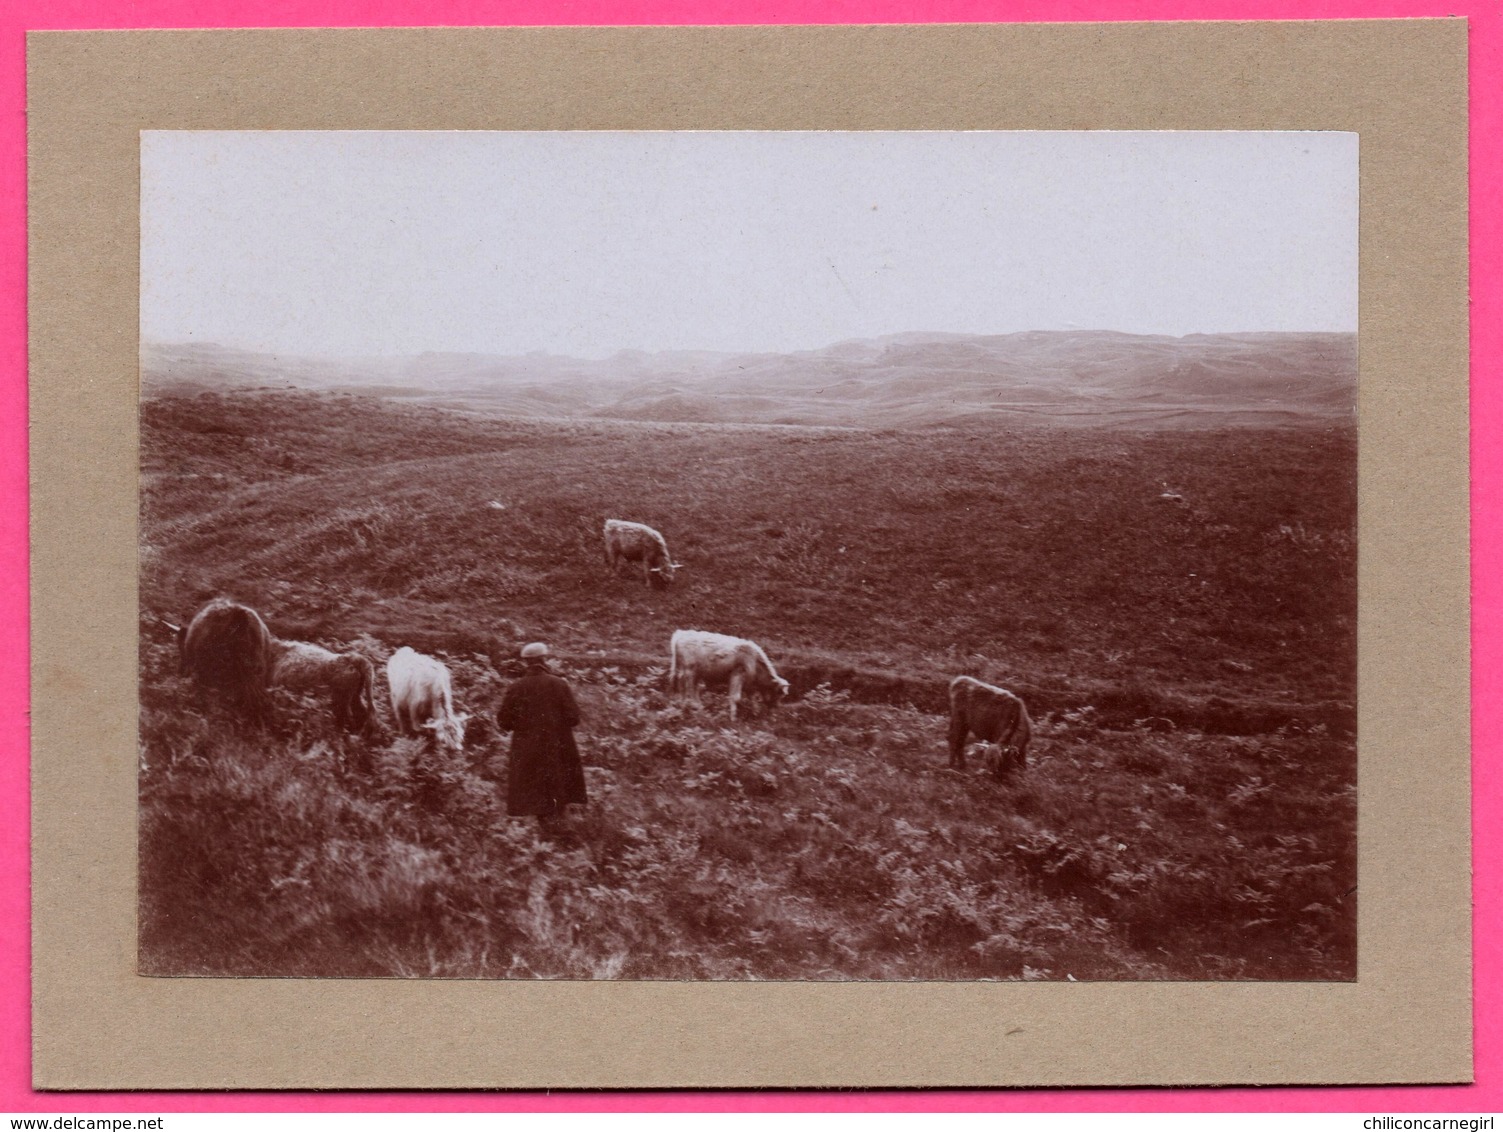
{"x":1177,"y":606}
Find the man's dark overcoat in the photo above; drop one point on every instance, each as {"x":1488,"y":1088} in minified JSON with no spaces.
{"x":544,"y":772}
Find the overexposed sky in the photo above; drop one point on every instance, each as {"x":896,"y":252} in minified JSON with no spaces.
{"x":584,"y":243}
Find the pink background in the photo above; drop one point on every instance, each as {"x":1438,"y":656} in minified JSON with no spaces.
{"x":1486,"y":49}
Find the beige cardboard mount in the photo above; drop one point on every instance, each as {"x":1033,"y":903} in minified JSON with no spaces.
{"x":1401,"y":85}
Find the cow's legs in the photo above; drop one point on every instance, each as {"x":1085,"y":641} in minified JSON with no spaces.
{"x":959,"y":732}
{"x":349,"y":695}
{"x":733,"y":693}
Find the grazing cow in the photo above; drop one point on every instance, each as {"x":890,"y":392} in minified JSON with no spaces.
{"x":993,"y":715}
{"x":696,"y":657}
{"x":637,"y":543}
{"x":422,"y":699}
{"x":348,"y":677}
{"x":228,"y":647}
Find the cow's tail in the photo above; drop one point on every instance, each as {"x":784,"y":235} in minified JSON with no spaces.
{"x":673,"y":670}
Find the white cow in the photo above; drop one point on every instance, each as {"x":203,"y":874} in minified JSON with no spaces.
{"x":638,"y":543}
{"x":696,"y":657}
{"x":422,"y":697}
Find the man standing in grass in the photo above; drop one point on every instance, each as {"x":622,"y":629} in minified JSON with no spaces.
{"x":544,"y":773}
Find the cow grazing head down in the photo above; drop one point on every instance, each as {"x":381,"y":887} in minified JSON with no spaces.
{"x":227,"y":647}
{"x":993,"y":715}
{"x":637,"y":544}
{"x":347,"y":677}
{"x":422,"y":698}
{"x":696,"y":657}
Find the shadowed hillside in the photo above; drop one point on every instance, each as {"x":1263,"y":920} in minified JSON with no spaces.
{"x":1079,"y":377}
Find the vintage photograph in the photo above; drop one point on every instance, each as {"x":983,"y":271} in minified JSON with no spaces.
{"x":795,"y":556}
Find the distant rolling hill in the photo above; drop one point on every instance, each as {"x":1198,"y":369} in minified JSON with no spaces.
{"x":899,"y":381}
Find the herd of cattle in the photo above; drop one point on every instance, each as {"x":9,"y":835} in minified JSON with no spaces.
{"x":227,"y":647}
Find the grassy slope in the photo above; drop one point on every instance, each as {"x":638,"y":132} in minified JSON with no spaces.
{"x":1190,"y":811}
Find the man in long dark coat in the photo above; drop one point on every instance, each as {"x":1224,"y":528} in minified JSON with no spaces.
{"x":544,"y":773}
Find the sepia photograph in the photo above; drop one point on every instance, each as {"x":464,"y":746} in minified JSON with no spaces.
{"x":746,"y":556}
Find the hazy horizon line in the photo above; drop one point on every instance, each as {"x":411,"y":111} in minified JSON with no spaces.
{"x":148,"y":340}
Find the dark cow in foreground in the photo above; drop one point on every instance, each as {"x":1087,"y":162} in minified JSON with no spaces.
{"x":347,"y":677}
{"x":422,"y":698}
{"x":993,"y":715}
{"x":228,"y":647}
{"x":713,"y":658}
{"x":636,"y":543}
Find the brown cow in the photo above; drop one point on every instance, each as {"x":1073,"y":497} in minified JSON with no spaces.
{"x":994,"y":715}
{"x":696,"y":657}
{"x":638,"y":543}
{"x":228,"y":647}
{"x":348,"y":678}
